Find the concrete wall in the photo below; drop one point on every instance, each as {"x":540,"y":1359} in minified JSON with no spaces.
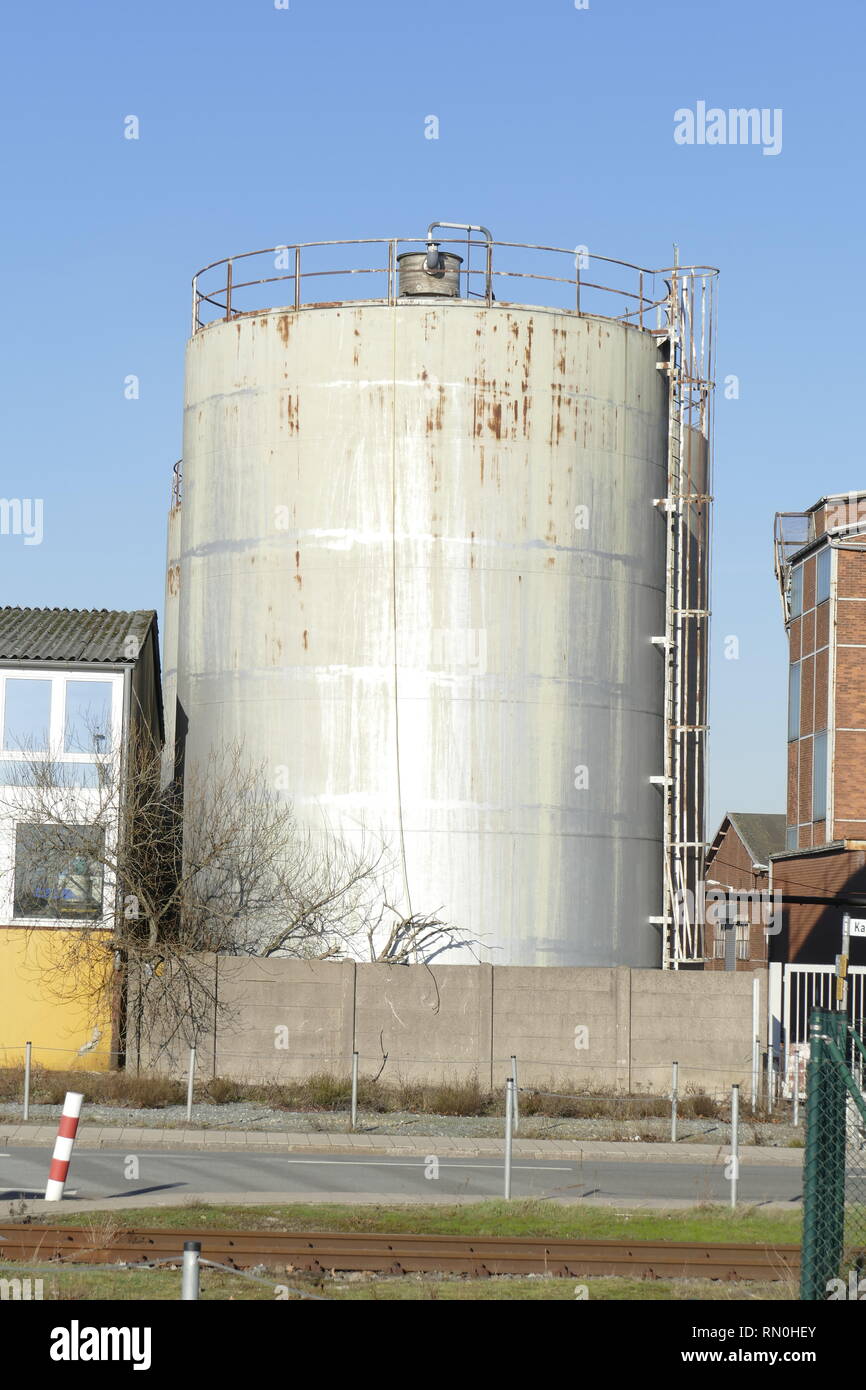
{"x":585,"y":1027}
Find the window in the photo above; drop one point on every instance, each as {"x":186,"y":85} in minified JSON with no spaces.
{"x":794,"y":701}
{"x":822,"y":577}
{"x":796,"y":607}
{"x":819,"y":777}
{"x":739,"y":936}
{"x":58,"y":871}
{"x":26,"y":715}
{"x":791,"y":837}
{"x":87,"y":726}
{"x":59,"y":730}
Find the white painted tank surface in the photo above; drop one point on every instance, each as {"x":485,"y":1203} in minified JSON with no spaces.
{"x":421,"y":567}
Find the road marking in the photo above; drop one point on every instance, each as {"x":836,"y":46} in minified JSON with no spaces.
{"x":443,"y":1163}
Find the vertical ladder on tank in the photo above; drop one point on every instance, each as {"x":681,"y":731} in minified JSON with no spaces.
{"x":686,"y":617}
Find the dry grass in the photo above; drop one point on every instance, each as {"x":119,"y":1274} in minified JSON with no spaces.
{"x":328,"y":1092}
{"x":101,"y":1088}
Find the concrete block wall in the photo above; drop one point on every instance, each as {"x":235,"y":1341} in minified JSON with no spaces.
{"x":586,"y":1028}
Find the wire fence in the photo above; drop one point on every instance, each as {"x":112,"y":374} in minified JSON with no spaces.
{"x":834,"y":1187}
{"x":675,"y":1090}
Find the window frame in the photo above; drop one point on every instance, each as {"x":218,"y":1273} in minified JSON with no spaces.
{"x":823,"y":562}
{"x":795,"y":674}
{"x":56,"y":751}
{"x":75,"y":919}
{"x":822,"y":735}
{"x":795,"y":601}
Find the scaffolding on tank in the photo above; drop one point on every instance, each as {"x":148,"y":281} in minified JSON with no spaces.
{"x":689,"y":368}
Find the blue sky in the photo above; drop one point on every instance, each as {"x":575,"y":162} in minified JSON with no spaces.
{"x":260,"y":126}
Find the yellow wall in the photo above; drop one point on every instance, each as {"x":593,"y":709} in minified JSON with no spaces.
{"x":55,"y":1011}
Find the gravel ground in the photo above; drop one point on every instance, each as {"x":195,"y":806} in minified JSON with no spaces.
{"x":245,"y":1116}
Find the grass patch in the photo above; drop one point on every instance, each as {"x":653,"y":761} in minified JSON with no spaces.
{"x":711,"y":1223}
{"x":163,"y":1285}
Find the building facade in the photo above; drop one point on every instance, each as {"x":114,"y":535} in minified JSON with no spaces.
{"x":74,"y":686}
{"x":738,"y":866}
{"x":821,"y":873}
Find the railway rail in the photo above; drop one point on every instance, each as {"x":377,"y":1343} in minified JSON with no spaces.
{"x":323,"y":1252}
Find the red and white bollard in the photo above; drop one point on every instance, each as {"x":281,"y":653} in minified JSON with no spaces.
{"x":66,"y":1132}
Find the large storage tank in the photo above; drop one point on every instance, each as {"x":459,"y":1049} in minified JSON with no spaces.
{"x":422,"y":564}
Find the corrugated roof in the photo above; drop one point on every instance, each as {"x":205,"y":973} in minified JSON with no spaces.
{"x":72,"y":634}
{"x":762,"y":834}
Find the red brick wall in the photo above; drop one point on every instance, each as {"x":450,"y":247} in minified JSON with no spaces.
{"x":731,"y":864}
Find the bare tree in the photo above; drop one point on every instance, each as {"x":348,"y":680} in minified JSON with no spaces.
{"x":159,"y":884}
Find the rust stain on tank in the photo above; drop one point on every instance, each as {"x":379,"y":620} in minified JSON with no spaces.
{"x":283,"y":328}
{"x":174,"y":579}
{"x":435,"y":414}
{"x":292,"y":421}
{"x":305,"y":639}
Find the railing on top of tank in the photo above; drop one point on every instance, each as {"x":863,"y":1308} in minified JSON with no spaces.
{"x":641,"y":302}
{"x":177,"y":484}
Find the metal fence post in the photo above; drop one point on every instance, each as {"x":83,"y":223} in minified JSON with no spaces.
{"x":28,"y":1052}
{"x":354,"y":1089}
{"x":735,"y":1142}
{"x":189,"y":1084}
{"x":823,"y":1163}
{"x":514,"y":1099}
{"x":796,"y":1089}
{"x":771,"y":1076}
{"x":509,"y":1113}
{"x":756,"y":1040}
{"x":675,"y":1073}
{"x":189,"y":1282}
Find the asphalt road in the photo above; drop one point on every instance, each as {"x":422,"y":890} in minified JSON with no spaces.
{"x":107,"y":1173}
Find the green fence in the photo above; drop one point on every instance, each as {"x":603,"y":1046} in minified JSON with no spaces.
{"x":834,"y":1175}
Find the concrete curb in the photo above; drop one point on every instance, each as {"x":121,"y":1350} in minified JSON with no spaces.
{"x":577,"y":1150}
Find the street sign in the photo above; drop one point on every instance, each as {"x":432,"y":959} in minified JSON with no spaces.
{"x":857,"y":926}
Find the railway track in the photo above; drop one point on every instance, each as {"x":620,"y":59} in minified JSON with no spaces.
{"x":322,"y":1252}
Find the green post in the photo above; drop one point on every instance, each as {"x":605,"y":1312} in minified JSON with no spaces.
{"x":824,"y":1159}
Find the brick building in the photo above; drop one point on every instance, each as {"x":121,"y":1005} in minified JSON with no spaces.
{"x":821,"y":873}
{"x":738,"y":863}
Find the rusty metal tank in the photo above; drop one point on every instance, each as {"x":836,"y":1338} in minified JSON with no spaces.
{"x":422,"y":562}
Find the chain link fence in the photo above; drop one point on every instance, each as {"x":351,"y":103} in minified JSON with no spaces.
{"x":834,"y":1175}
